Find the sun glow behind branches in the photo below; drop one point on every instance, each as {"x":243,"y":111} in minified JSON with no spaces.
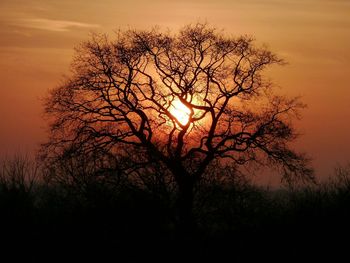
{"x":180,"y":111}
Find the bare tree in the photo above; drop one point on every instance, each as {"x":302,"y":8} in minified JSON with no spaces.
{"x":19,"y":174}
{"x":179,"y":100}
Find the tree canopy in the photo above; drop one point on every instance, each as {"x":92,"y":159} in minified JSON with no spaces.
{"x":182,"y":100}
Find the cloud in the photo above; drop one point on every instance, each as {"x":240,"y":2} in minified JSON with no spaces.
{"x":52,"y":25}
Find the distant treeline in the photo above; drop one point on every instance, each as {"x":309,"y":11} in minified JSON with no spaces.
{"x":103,"y":220}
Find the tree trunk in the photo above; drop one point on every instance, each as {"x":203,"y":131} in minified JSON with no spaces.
{"x":184,"y":206}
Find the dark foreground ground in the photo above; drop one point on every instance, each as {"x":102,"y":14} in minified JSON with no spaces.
{"x":234,"y":225}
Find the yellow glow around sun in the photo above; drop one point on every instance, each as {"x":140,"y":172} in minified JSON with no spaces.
{"x":180,"y":111}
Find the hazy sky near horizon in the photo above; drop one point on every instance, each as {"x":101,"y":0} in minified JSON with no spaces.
{"x":37,"y":40}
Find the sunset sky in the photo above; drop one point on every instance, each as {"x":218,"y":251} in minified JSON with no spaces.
{"x":37,"y":40}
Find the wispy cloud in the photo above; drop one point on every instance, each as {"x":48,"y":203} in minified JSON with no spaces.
{"x":52,"y":25}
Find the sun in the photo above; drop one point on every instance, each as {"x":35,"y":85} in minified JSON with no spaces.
{"x":180,"y":111}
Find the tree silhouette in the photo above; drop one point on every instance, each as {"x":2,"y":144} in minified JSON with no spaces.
{"x":180,"y":101}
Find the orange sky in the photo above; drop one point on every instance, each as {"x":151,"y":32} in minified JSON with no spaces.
{"x":37,"y":38}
